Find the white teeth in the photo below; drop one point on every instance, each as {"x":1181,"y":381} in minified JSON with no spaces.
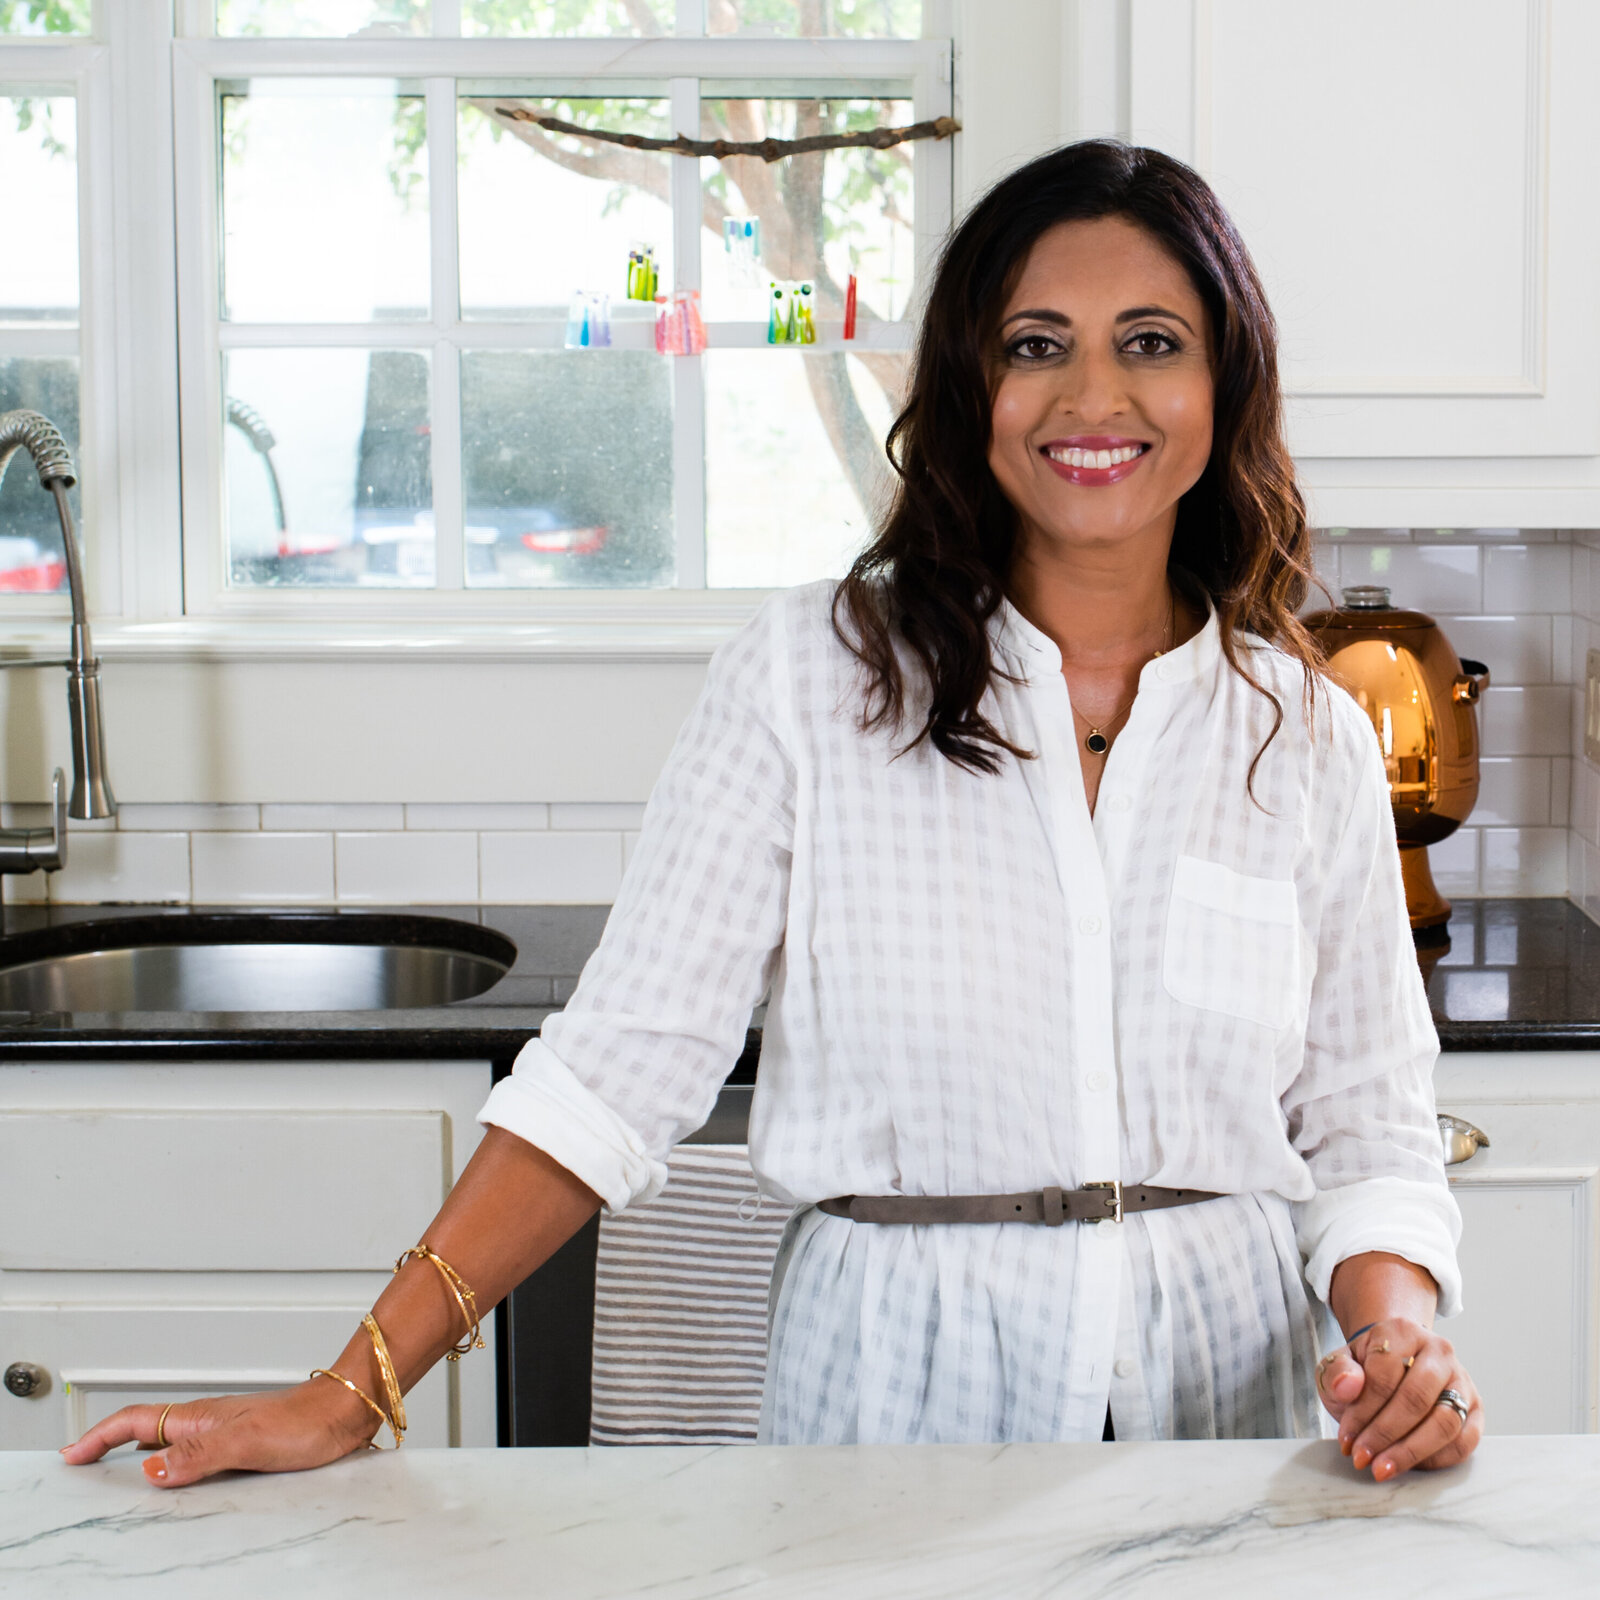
{"x":1097,"y":459}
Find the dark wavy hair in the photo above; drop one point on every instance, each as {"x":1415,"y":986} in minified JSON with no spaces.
{"x":937,"y":569}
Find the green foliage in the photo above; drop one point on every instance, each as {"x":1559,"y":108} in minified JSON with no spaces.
{"x":278,"y":19}
{"x":44,"y":16}
{"x":533,"y":19}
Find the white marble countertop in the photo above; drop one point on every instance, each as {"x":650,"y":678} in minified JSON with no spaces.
{"x":1238,"y":1519}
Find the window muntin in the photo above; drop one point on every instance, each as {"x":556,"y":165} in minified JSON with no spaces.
{"x":501,"y":279}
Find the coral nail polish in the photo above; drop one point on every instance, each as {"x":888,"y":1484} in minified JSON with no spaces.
{"x":1362,"y":1457}
{"x":1384,"y":1469}
{"x":156,"y":1467}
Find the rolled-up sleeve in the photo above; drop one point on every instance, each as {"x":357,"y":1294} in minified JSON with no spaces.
{"x":1361,"y":1111}
{"x":634,"y":1062}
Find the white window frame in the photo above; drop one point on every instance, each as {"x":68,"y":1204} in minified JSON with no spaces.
{"x":681,"y":62}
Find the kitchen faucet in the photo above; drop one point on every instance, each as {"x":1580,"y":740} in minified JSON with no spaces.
{"x":30,"y":849}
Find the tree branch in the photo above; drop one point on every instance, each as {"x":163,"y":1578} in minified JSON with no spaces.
{"x":766,"y":149}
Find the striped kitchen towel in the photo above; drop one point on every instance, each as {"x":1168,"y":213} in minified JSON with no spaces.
{"x":680,"y":1306}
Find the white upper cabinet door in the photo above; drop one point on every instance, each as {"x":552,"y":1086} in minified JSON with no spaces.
{"x":1418,"y":185}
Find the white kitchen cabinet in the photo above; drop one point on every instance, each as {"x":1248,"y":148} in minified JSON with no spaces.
{"x":174,"y":1231}
{"x":1530,"y":1245}
{"x":1416,"y":184}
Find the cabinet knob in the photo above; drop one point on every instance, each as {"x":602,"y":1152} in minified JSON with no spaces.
{"x":25,"y":1380}
{"x":1462,"y":1141}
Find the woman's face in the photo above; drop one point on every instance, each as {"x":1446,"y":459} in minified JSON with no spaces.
{"x":1102,"y":408}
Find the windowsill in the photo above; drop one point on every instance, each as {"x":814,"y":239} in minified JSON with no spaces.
{"x":618,"y":626}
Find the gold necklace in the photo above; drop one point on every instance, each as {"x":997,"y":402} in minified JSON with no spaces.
{"x":1095,"y":742}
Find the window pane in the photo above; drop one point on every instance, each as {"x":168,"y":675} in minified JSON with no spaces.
{"x":552,"y":19}
{"x":568,"y":469}
{"x":328,"y":475}
{"x":44,"y":16}
{"x":817,"y":19}
{"x":39,"y":183}
{"x":822,"y":216}
{"x":289,"y":19}
{"x":31,"y":557}
{"x":324,"y":201}
{"x":542,"y":215}
{"x":795,"y":469}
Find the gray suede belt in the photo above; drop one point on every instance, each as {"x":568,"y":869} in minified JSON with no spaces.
{"x":1095,"y":1202}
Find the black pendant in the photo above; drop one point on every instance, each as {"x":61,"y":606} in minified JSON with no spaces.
{"x":1097,"y":743}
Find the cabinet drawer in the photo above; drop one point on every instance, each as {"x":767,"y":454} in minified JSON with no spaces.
{"x":261,"y":1191}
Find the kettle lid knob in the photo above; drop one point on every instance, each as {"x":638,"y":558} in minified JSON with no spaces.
{"x":1367,"y":597}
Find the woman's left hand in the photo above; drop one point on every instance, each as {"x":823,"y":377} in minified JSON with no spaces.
{"x":1384,"y":1391}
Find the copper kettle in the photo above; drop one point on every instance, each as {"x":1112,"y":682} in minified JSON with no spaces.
{"x":1420,"y":697}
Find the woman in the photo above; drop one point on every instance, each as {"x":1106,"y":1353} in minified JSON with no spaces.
{"x":1064,"y":870}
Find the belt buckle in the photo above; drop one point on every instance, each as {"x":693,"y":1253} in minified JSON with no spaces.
{"x":1113,"y":1203}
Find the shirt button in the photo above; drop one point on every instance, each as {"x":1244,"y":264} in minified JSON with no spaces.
{"x":1097,"y":1080}
{"x":1123,"y":1367}
{"x":1089,"y":925}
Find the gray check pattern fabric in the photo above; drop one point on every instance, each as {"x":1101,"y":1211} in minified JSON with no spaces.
{"x":976,"y":987}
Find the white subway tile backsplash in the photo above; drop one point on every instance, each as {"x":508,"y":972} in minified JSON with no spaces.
{"x":1434,"y":578}
{"x":1516,"y":650}
{"x":160,"y":818}
{"x":1533,"y":721}
{"x":1583,"y":874}
{"x":331,"y":819}
{"x":1527,"y":577}
{"x":1366,"y":535}
{"x":262,"y":868}
{"x":1524,"y":861}
{"x":104,"y":867}
{"x":1513,"y":790}
{"x":407,"y":868}
{"x":29,"y":815}
{"x":492,"y":817}
{"x":1454,"y":862}
{"x":551,"y":868}
{"x":1561,"y":791}
{"x":1586,"y":799}
{"x":591,"y":816}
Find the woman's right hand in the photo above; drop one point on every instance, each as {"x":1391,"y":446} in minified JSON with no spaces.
{"x":283,"y":1430}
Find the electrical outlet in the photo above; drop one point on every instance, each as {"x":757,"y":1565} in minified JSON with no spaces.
{"x":1591,"y":707}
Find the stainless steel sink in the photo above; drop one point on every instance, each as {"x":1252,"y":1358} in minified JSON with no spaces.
{"x":258,"y":963}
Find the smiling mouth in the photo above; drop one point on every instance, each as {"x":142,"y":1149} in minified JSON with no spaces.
{"x":1092,"y":465}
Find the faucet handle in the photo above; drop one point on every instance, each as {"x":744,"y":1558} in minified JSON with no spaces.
{"x":30,"y":849}
{"x":53,"y":857}
{"x":47,"y":847}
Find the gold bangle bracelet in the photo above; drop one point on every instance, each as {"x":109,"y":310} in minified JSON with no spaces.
{"x":464,"y":1297}
{"x":386,"y":1371}
{"x":368,"y":1401}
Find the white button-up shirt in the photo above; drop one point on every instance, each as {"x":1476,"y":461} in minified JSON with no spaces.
{"x":976,"y":987}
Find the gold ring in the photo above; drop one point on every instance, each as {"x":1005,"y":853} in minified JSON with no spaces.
{"x":1410,"y":1361}
{"x":1382,"y":1349}
{"x":161,"y":1425}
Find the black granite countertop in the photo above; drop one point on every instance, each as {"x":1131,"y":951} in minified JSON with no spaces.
{"x":1518,"y":975}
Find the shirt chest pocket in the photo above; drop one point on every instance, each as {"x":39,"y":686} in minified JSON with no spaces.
{"x":1233,"y":943}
